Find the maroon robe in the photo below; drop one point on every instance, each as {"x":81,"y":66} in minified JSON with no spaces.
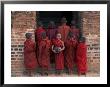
{"x":51,"y":33}
{"x":30,"y":60}
{"x":38,"y":34}
{"x":44,"y":53}
{"x":70,"y":45}
{"x":75,"y":31}
{"x":59,"y":57}
{"x":81,"y":58}
{"x":64,"y":30}
{"x":38,"y":38}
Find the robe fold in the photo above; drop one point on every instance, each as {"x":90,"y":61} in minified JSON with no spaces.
{"x":64,"y":30}
{"x":38,"y":38}
{"x":59,"y":57}
{"x":30,"y":59}
{"x":70,"y":53}
{"x":51,"y":33}
{"x":81,"y":58}
{"x":76,"y":32}
{"x":38,"y":33}
{"x":44,"y":53}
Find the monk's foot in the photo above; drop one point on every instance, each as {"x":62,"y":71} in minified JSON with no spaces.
{"x":70,"y":72}
{"x":46,"y":74}
{"x":41,"y":74}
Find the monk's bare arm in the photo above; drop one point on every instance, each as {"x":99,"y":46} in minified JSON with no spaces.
{"x":53,"y":49}
{"x":63,"y":46}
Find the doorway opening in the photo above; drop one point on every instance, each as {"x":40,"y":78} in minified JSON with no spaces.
{"x":46,"y":16}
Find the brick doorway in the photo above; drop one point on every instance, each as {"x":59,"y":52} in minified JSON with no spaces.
{"x":46,"y":16}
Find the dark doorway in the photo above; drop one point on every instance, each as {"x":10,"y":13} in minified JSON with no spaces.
{"x":46,"y":16}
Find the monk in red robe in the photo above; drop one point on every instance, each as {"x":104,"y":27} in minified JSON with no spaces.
{"x":74,"y":29}
{"x":76,"y":33}
{"x":38,"y":32}
{"x":81,"y":56}
{"x":30,"y":60}
{"x":70,"y":45}
{"x":57,"y":48}
{"x":44,"y":54}
{"x":51,"y":33}
{"x":52,"y":30}
{"x":63,"y":29}
{"x":38,"y":38}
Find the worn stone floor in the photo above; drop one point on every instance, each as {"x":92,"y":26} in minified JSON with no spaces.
{"x":52,"y":73}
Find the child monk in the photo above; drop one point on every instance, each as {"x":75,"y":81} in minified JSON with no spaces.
{"x":44,"y":54}
{"x":76,"y":33}
{"x":57,"y":48}
{"x":38,"y":38}
{"x":81,"y":56}
{"x":70,"y":45}
{"x":51,"y":33}
{"x":30,"y":60}
{"x":52,"y":30}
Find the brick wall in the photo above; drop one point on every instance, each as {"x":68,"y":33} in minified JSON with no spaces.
{"x":23,"y":22}
{"x":91,"y":30}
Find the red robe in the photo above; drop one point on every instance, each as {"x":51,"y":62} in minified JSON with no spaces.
{"x":75,"y":31}
{"x":38,"y":38}
{"x":81,"y":58}
{"x":38,"y":33}
{"x":70,"y":53}
{"x":44,"y":53}
{"x":30,"y":60}
{"x":59,"y":57}
{"x":51,"y":33}
{"x":64,"y":30}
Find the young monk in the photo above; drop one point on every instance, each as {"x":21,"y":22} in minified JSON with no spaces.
{"x":76,"y":33}
{"x":38,"y":38}
{"x":57,"y":48}
{"x":44,"y":54}
{"x":81,"y":56}
{"x":52,"y":30}
{"x":38,"y":32}
{"x":74,"y":29}
{"x":30,"y":60}
{"x":51,"y":33}
{"x":70,"y":45}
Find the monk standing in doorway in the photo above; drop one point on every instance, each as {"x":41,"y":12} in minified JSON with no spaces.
{"x":70,"y":45}
{"x":51,"y":33}
{"x":38,"y":38}
{"x":63,"y":29}
{"x":44,"y":54}
{"x":52,"y":30}
{"x":74,"y":29}
{"x":76,"y":33}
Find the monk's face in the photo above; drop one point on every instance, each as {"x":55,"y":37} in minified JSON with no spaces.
{"x":58,"y":36}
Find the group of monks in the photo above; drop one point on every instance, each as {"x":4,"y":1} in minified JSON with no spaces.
{"x":63,"y":44}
